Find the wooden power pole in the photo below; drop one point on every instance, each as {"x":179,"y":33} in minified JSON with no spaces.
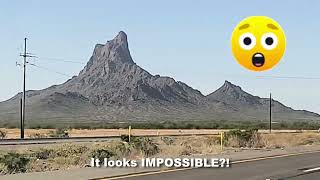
{"x":25,"y":55}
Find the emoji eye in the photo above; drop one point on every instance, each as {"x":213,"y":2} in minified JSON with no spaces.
{"x":269,"y":41}
{"x":247,"y":41}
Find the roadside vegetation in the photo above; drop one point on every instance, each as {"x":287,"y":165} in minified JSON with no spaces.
{"x":57,"y":133}
{"x":3,"y":134}
{"x":214,"y":124}
{"x":67,"y":156}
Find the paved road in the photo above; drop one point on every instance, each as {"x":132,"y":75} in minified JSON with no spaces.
{"x":12,"y":142}
{"x":289,"y":168}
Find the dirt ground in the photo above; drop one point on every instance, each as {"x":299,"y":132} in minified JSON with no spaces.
{"x":15,"y":133}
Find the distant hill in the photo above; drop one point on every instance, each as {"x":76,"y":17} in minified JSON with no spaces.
{"x":112,"y":88}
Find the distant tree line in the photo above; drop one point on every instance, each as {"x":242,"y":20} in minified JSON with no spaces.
{"x":223,"y":124}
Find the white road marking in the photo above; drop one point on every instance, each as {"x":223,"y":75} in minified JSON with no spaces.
{"x":182,"y":169}
{"x":313,"y":169}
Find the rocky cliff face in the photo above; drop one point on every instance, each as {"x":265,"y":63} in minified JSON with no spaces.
{"x":112,"y":77}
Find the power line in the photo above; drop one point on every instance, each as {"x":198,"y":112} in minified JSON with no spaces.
{"x":60,"y":60}
{"x":50,"y":70}
{"x":265,"y":77}
{"x":290,"y":77}
{"x":239,"y":75}
{"x":80,"y":62}
{"x":271,"y":77}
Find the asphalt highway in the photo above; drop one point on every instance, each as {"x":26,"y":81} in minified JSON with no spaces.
{"x":11,"y":142}
{"x":300,"y":167}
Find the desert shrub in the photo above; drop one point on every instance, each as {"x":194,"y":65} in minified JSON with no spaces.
{"x":256,"y":141}
{"x":146,"y":145}
{"x":122,"y":149}
{"x":3,"y":134}
{"x":34,"y":126}
{"x":167,"y":140}
{"x":59,"y":133}
{"x":37,"y":136}
{"x":238,"y":138}
{"x":124,"y":138}
{"x":15,"y":162}
{"x":101,"y":153}
{"x":48,"y":126}
{"x":212,"y":140}
{"x":43,"y":153}
{"x":143,"y":144}
{"x":189,"y":146}
{"x":69,"y":150}
{"x":186,"y":150}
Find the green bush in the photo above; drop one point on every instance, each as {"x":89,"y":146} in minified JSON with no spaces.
{"x":15,"y":162}
{"x":145,"y":145}
{"x":101,"y":153}
{"x":122,"y":149}
{"x":43,"y":153}
{"x":244,"y":138}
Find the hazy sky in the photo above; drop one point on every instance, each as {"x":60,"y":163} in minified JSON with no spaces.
{"x":187,"y":40}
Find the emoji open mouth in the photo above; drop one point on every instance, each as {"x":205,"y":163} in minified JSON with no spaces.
{"x":258,"y":59}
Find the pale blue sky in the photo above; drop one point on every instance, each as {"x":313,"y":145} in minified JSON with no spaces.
{"x":187,"y":40}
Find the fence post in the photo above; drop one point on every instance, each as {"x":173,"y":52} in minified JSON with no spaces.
{"x":221,"y":140}
{"x":129,"y":133}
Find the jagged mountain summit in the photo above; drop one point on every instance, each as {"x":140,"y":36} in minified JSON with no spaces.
{"x":232,"y":94}
{"x":113,"y":88}
{"x":111,"y":76}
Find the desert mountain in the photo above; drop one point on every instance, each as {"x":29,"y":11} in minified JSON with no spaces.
{"x":112,"y":88}
{"x":231,"y":94}
{"x":111,"y":77}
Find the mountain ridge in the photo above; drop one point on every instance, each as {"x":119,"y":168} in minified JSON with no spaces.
{"x":112,"y":87}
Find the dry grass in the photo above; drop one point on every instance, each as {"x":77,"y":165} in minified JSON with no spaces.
{"x":67,"y":156}
{"x":289,"y":140}
{"x":270,"y":141}
{"x":185,"y":146}
{"x":15,"y":133}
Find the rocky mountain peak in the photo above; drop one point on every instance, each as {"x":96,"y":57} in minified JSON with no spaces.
{"x":111,"y":55}
{"x":233,"y":94}
{"x":116,"y":50}
{"x":228,"y":86}
{"x":111,"y":76}
{"x":121,"y":38}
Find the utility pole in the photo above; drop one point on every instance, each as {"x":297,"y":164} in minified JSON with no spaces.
{"x":270,"y":113}
{"x":23,"y":112}
{"x":21,"y":122}
{"x":25,"y":55}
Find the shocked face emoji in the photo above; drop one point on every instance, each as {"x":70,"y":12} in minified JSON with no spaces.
{"x":258,"y":43}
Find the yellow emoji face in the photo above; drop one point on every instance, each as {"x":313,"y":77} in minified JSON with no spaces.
{"x":258,"y":43}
